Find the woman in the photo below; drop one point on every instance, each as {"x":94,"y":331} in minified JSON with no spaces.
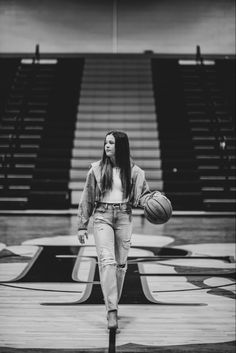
{"x":112,"y":187}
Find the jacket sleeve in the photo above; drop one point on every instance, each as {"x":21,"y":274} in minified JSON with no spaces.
{"x":141,"y":189}
{"x":145,"y":192}
{"x":87,"y":201}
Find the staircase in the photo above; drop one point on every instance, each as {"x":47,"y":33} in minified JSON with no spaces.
{"x":116,"y":93}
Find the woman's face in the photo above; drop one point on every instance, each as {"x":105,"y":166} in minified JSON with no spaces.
{"x":110,"y":146}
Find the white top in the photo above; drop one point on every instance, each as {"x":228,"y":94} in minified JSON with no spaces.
{"x":115,"y":195}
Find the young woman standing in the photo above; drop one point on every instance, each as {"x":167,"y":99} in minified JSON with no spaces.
{"x":113,"y":186}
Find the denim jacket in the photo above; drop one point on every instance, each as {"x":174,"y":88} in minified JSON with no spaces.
{"x":92,"y":192}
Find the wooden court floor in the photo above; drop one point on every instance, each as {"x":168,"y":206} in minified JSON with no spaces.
{"x":179,"y":293}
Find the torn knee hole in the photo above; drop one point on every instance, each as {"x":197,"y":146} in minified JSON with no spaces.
{"x":121,"y":265}
{"x":106,"y":258}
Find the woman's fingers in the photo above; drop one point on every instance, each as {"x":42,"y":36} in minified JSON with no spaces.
{"x":82,"y":237}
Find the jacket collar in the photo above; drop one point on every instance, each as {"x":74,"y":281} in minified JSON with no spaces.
{"x":97,"y":172}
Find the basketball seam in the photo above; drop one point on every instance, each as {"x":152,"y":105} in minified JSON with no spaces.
{"x":162,"y":208}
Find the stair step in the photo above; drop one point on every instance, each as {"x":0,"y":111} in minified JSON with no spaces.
{"x":230,"y":145}
{"x":211,"y":157}
{"x":11,"y":130}
{"x":219,"y":205}
{"x":116,"y":116}
{"x":217,"y":177}
{"x":20,"y":187}
{"x":107,"y":79}
{"x":13,"y":199}
{"x":14,"y":177}
{"x":101,"y":134}
{"x":31,"y":120}
{"x":5,"y":139}
{"x":84,"y":164}
{"x":116,"y":108}
{"x":209,"y":121}
{"x":207,"y":129}
{"x":117,"y":86}
{"x":81,"y":174}
{"x":134,"y":144}
{"x":214,"y":200}
{"x":214,"y":188}
{"x":116,"y":100}
{"x":111,"y":125}
{"x":105,"y":92}
{"x":211,"y":138}
{"x":25,"y":136}
{"x":96,"y":153}
{"x":216,"y":168}
{"x":29,"y":156}
{"x":212,"y":149}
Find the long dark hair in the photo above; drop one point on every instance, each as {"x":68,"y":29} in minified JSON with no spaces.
{"x":122,"y":158}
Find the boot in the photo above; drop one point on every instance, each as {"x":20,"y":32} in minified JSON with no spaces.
{"x":112,"y":321}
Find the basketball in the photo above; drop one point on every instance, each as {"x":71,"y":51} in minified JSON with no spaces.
{"x":157,"y":209}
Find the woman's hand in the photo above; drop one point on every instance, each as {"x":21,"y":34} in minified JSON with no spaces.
{"x":82,"y":235}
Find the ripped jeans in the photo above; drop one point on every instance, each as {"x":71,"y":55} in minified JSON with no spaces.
{"x":112,"y":234}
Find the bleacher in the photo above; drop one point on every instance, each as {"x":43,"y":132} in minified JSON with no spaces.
{"x":179,"y":116}
{"x":37,"y":126}
{"x":195,"y":112}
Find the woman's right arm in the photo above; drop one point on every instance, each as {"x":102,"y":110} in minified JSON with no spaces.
{"x":86,"y":204}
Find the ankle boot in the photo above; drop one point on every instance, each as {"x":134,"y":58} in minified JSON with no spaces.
{"x":112,"y":321}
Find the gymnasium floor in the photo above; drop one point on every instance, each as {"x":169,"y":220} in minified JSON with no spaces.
{"x":179,"y":293}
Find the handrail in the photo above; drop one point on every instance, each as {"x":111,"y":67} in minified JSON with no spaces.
{"x":199,"y":58}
